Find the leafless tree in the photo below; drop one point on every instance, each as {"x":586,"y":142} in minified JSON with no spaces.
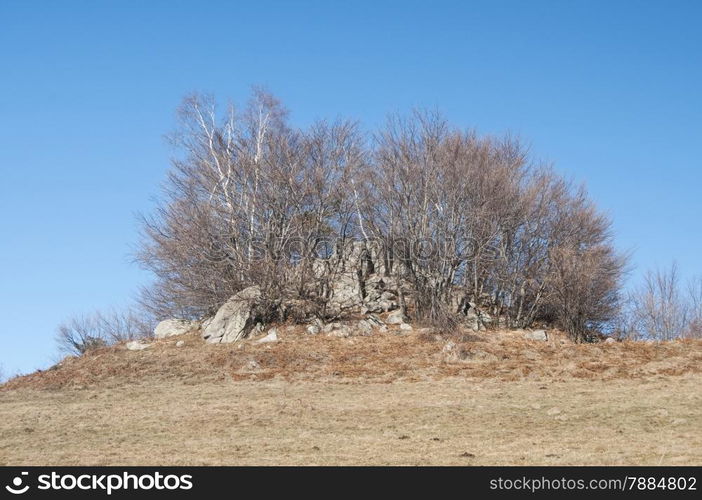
{"x":662,"y":309}
{"x":454,"y":218}
{"x":510,"y":234}
{"x":83,"y":333}
{"x":246,"y":200}
{"x":79,"y":335}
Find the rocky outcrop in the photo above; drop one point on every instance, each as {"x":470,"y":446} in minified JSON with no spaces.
{"x":355,"y":279}
{"x":235,"y":319}
{"x":359,"y":281}
{"x":173,"y":327}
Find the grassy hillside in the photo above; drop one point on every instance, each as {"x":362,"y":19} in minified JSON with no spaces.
{"x":492,"y":398}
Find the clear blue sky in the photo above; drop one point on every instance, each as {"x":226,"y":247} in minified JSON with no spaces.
{"x":611,"y":92}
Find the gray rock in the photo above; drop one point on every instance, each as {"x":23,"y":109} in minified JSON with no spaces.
{"x":252,"y":366}
{"x":337,"y":329}
{"x":365,"y":327}
{"x":375,"y":320}
{"x":476,"y":319}
{"x":540,"y":335}
{"x":331,"y":326}
{"x":205,"y":323}
{"x":180,"y":343}
{"x":405,"y":326}
{"x":271,"y":337}
{"x":396,"y":317}
{"x":313,"y":329}
{"x":137,"y":345}
{"x":173,"y":327}
{"x":346,"y":292}
{"x":484,"y":317}
{"x":387,"y":305}
{"x":342,"y":332}
{"x":235,"y":319}
{"x":610,"y":340}
{"x":371,"y":307}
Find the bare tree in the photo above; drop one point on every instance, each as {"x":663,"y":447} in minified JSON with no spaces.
{"x":83,"y":333}
{"x":507,"y":234}
{"x":454,"y":220}
{"x":586,"y":289}
{"x":694,"y":291}
{"x":661,"y":309}
{"x":247,"y":199}
{"x":80,"y":334}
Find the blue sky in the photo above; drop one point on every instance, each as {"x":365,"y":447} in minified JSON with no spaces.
{"x":610,"y":92}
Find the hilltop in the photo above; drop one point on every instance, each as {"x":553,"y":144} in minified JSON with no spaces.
{"x":382,"y":357}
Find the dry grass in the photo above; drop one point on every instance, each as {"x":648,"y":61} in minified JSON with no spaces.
{"x":385,"y":399}
{"x":640,"y":422}
{"x":385,"y":357}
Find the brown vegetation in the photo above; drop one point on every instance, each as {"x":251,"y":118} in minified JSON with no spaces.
{"x":386,"y":357}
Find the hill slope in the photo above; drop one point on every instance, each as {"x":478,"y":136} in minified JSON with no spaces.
{"x":493,"y":398}
{"x":380,"y":357}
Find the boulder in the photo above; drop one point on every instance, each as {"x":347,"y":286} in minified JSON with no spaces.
{"x":388,"y":305}
{"x":540,"y":335}
{"x":375,"y":320}
{"x":476,"y":319}
{"x":405,"y":326}
{"x":235,"y":319}
{"x":331,"y":326}
{"x":342,"y":332}
{"x":180,"y":343}
{"x":271,"y":337}
{"x":395,"y":318}
{"x":365,"y":327}
{"x":346,"y":292}
{"x":173,"y":327}
{"x":313,"y":329}
{"x":377,"y":298}
{"x":205,"y":323}
{"x":337,"y":329}
{"x":137,"y":345}
{"x":610,"y":340}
